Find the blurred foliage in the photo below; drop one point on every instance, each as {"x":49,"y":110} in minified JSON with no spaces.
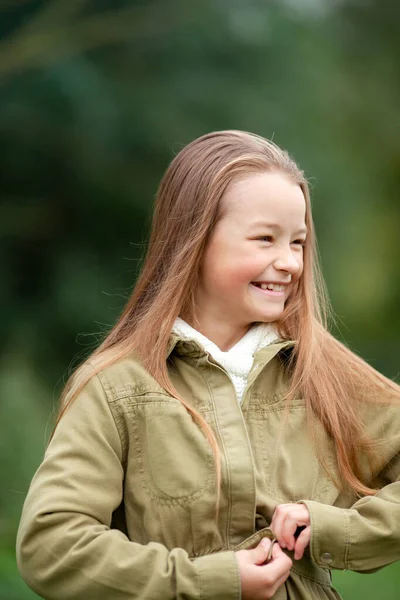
{"x":96,"y":98}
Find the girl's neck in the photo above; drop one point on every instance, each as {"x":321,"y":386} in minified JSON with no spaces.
{"x":223,"y":336}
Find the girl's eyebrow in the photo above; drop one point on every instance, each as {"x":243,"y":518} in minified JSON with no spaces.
{"x":260,"y":224}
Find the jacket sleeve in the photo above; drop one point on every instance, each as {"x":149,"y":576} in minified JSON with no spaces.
{"x":364,"y":537}
{"x":65,"y":547}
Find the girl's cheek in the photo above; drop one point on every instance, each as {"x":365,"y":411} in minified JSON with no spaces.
{"x":231,"y":281}
{"x":241,"y":273}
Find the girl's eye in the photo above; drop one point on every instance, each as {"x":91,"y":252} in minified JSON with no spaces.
{"x":265,"y":238}
{"x":299,"y":242}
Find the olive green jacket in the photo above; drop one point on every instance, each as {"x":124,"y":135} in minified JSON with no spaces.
{"x":122,"y":506}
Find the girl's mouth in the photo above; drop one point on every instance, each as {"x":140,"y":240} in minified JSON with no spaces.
{"x":271,"y":289}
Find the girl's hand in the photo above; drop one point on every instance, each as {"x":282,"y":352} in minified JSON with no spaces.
{"x":260,"y":581}
{"x":286,"y":519}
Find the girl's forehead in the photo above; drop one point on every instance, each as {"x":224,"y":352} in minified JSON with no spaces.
{"x":264,"y":196}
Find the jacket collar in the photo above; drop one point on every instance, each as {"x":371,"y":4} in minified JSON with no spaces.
{"x":186,"y":347}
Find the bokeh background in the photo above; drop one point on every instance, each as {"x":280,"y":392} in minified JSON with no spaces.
{"x":96,"y":97}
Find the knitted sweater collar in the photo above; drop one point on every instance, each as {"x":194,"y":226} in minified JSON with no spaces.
{"x":237,"y":361}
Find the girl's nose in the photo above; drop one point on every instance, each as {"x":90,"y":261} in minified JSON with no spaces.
{"x":287,"y":261}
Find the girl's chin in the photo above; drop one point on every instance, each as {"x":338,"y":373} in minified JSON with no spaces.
{"x":269,"y":317}
{"x":270,"y":311}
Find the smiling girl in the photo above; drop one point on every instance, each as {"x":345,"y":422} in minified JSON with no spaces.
{"x":220,"y":443}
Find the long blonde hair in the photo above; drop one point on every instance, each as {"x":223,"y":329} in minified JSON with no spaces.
{"x":326,"y":373}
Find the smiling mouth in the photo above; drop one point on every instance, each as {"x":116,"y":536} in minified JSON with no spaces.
{"x":273,"y":287}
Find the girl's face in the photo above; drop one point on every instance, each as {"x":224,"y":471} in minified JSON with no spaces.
{"x":254,"y":257}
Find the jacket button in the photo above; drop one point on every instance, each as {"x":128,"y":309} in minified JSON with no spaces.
{"x":327,"y":558}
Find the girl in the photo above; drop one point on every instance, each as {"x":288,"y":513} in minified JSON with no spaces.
{"x":220,"y":443}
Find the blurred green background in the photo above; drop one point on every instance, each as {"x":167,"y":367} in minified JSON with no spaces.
{"x":96,"y":98}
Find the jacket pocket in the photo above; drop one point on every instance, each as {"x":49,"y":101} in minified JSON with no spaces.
{"x":286,"y":456}
{"x":174,"y":457}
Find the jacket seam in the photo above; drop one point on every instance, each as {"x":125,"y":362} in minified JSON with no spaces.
{"x":310,"y":577}
{"x":132,"y":393}
{"x":259,"y":412}
{"x":347,"y":540}
{"x":229,"y":476}
{"x":106,"y":389}
{"x":177,"y":404}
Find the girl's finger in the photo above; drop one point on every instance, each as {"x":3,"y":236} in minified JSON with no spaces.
{"x":283,"y":529}
{"x":277,"y":551}
{"x":294,"y":519}
{"x":277,"y":523}
{"x":299,"y":509}
{"x":279,"y":566}
{"x":289,"y":526}
{"x":302,"y":542}
{"x":280,"y":582}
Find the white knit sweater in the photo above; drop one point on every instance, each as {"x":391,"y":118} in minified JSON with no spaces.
{"x":237,"y":361}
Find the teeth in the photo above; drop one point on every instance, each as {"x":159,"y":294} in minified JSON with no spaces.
{"x":272,"y":286}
